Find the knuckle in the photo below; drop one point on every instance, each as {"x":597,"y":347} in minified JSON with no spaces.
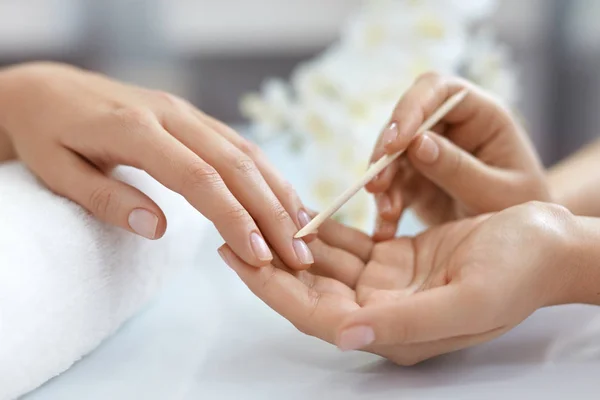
{"x":134,"y":117}
{"x":249,"y":148}
{"x":103,"y":200}
{"x":199,"y":174}
{"x":288,"y":190}
{"x":244,"y":165}
{"x":170,"y":100}
{"x":279,"y":212}
{"x":236,"y":214}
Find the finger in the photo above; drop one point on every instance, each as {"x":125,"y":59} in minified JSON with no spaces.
{"x":477,"y":112}
{"x":351,"y":240}
{"x":385,"y":178}
{"x":390,"y":206}
{"x":392,"y":266}
{"x":109,"y":200}
{"x":320,"y":282}
{"x":336,"y":263}
{"x":457,"y":172}
{"x":384,"y":229}
{"x":246,"y":183}
{"x":435,"y":314}
{"x":278,"y":184}
{"x":135,"y":137}
{"x":313,"y":313}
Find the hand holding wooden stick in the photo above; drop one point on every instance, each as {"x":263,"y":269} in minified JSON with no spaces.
{"x":379,"y":166}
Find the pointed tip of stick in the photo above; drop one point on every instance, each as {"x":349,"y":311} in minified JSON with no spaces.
{"x":303,"y":232}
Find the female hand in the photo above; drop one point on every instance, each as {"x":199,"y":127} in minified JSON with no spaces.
{"x":476,"y":160}
{"x":72,"y":127}
{"x":409,"y":299}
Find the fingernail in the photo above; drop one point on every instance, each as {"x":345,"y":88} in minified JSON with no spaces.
{"x":355,"y":338}
{"x":143,"y":222}
{"x":428,"y":150}
{"x":303,"y":252}
{"x":303,"y":218}
{"x":390,"y":133}
{"x":384,"y":204}
{"x":260,"y":247}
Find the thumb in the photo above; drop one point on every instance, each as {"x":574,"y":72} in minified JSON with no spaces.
{"x":109,"y":200}
{"x":457,"y":172}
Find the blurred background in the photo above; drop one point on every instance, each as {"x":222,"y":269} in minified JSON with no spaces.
{"x":212,"y":51}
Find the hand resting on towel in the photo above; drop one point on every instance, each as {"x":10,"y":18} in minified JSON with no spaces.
{"x":73,"y":127}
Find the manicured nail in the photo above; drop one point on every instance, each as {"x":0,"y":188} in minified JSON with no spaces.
{"x":390,"y":133}
{"x":303,"y":252}
{"x":356,"y":338}
{"x":303,"y":218}
{"x":143,"y":222}
{"x":384,"y":204}
{"x":260,"y":247}
{"x":428,"y":150}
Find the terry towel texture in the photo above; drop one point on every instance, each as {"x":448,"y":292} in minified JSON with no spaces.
{"x":67,"y":281}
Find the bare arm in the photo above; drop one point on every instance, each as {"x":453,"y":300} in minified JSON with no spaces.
{"x":575,"y":182}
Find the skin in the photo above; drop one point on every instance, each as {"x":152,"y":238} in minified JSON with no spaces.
{"x":476,"y":145}
{"x":464,"y":281}
{"x":72,"y":128}
{"x":456,"y":285}
{"x":575,"y":184}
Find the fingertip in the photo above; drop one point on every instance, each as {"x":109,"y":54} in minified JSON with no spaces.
{"x":161,"y":227}
{"x":384,"y":230}
{"x":143,"y":222}
{"x":424,"y":149}
{"x":231,"y":259}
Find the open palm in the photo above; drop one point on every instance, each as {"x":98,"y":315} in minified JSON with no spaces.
{"x":410,"y":299}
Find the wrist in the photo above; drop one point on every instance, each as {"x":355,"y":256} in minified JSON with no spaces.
{"x":583,"y":265}
{"x":573,"y":262}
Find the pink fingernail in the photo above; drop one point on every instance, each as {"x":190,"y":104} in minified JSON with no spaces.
{"x":390,"y":133}
{"x":356,"y":338}
{"x":428,"y":150}
{"x":143,"y":222}
{"x":303,"y":218}
{"x":303,"y":252}
{"x":260,"y":247}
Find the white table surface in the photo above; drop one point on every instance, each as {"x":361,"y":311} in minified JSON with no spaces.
{"x":207,"y":337}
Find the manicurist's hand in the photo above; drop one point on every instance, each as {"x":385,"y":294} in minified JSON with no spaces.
{"x":454,"y":286}
{"x":72,"y":127}
{"x":476,"y":160}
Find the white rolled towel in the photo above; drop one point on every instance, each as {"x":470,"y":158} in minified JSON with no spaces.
{"x":68,"y":281}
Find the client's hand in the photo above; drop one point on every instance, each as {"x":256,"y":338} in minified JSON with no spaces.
{"x":410,"y":299}
{"x":72,"y":127}
{"x":478,"y":160}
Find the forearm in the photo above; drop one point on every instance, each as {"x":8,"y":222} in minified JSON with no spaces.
{"x":575,"y":182}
